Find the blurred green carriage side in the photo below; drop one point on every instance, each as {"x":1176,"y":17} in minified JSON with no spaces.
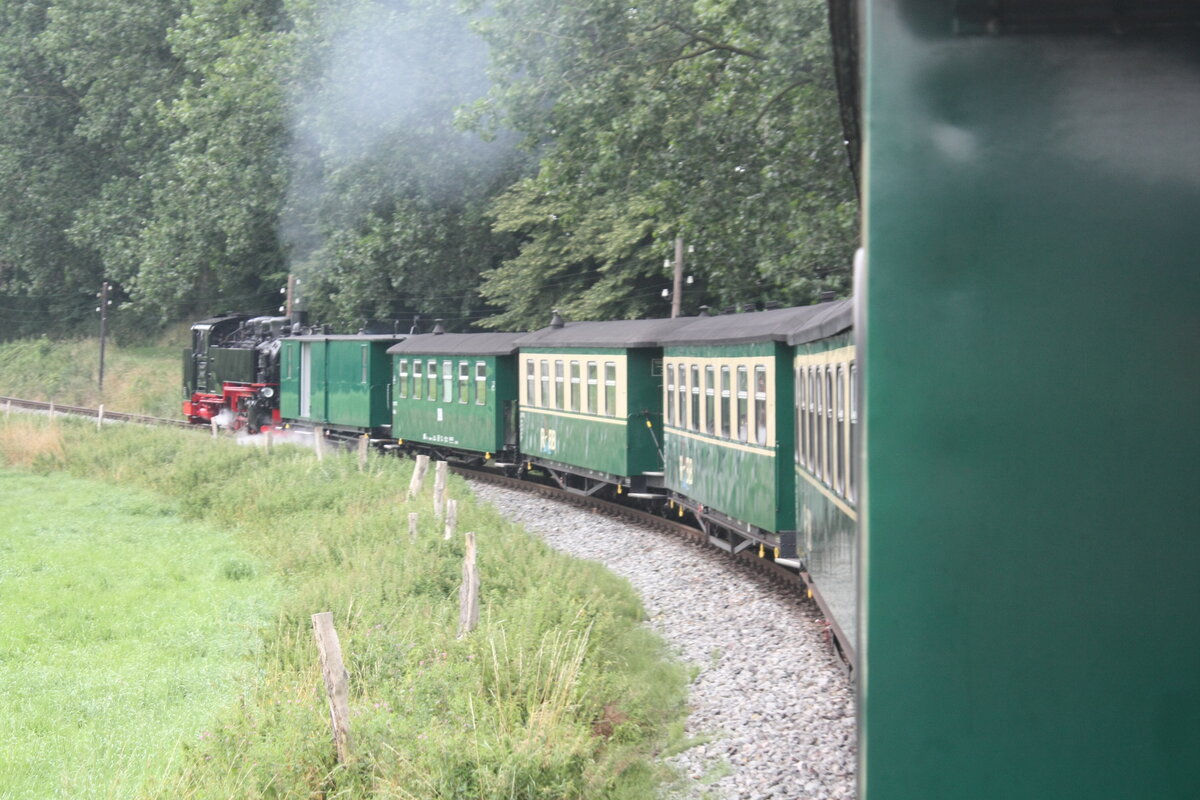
{"x":1030,"y":523}
{"x":591,"y":395}
{"x":471,"y":401}
{"x":337,"y":380}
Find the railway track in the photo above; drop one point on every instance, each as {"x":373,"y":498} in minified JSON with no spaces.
{"x":796,"y":580}
{"x":92,"y":413}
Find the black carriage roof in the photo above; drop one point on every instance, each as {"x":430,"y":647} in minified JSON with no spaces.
{"x":465,"y":344}
{"x":617,"y":333}
{"x":348,"y":337}
{"x":790,"y":325}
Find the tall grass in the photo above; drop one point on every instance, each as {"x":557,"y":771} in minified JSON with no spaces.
{"x":559,"y":693}
{"x":137,"y":380}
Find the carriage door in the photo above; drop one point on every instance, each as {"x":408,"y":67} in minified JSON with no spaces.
{"x":305,"y":380}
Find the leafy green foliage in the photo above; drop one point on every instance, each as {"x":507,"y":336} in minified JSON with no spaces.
{"x":714,"y":121}
{"x":196,"y":151}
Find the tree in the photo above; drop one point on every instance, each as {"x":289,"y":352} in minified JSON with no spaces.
{"x":386,"y":215}
{"x":715,"y":120}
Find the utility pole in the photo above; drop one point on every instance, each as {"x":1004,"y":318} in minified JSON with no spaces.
{"x":291,"y":293}
{"x":103,"y":309}
{"x":677,"y":292}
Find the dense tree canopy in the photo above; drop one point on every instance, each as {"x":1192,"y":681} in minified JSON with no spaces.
{"x":479,"y":161}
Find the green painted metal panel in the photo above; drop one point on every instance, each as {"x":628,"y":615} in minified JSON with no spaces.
{"x":358,"y":383}
{"x":289,"y":379}
{"x":742,"y":484}
{"x":592,"y":444}
{"x":1031,"y":396}
{"x":466,"y":426}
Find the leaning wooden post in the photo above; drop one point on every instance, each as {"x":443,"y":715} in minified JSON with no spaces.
{"x":7,"y":408}
{"x":418,"y":476}
{"x":213,"y":422}
{"x":439,"y":488}
{"x":100,"y":417}
{"x":451,"y":518}
{"x":337,"y":682}
{"x":363,"y":443}
{"x":412,"y":525}
{"x":319,"y":443}
{"x":468,"y":594}
{"x":52,"y":409}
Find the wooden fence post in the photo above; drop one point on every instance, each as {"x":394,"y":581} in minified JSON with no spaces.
{"x":418,"y":476}
{"x":100,"y":417}
{"x":213,"y":422}
{"x":439,"y":488}
{"x":319,"y":443}
{"x":270,"y":434}
{"x":363,"y":444}
{"x":337,"y":682}
{"x":451,"y":518}
{"x":412,"y":525}
{"x":468,"y":594}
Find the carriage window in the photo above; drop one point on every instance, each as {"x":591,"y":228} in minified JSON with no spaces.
{"x":575,"y":386}
{"x":402,"y":378}
{"x":418,"y":379}
{"x":530,"y":382}
{"x":695,"y":419}
{"x":669,"y":405}
{"x":851,"y":478}
{"x":560,"y":389}
{"x":681,"y":397}
{"x":830,"y":456}
{"x":819,"y":423}
{"x":464,"y":381}
{"x":812,"y":420}
{"x":760,"y":404}
{"x":726,"y":417}
{"x":610,"y":388}
{"x":365,"y":353}
{"x":545,"y":398}
{"x":447,"y":382}
{"x":481,"y":383}
{"x":710,"y":399}
{"x":743,"y":387}
{"x":593,"y":387}
{"x":431,"y":391}
{"x":839,"y":475}
{"x":799,"y":422}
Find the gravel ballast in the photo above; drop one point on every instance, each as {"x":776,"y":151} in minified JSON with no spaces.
{"x":771,"y":703}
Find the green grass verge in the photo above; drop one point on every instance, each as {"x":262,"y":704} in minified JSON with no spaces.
{"x":123,"y":627}
{"x":560,"y":692}
{"x":137,"y":380}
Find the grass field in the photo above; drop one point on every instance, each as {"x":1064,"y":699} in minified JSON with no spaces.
{"x":124,"y":629}
{"x":559,"y":693}
{"x":145,"y":379}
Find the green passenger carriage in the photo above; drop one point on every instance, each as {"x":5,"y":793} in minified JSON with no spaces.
{"x":734,"y":455}
{"x":337,"y":381}
{"x":827,"y":444}
{"x":590,"y":397}
{"x":456,"y":392}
